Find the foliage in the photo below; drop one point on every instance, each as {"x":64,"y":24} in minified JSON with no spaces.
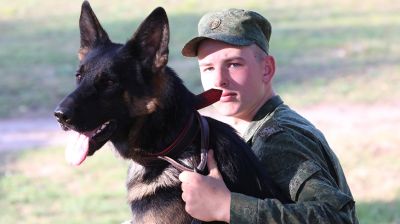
{"x":314,"y":44}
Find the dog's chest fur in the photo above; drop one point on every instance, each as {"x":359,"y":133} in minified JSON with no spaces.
{"x":155,"y":197}
{"x":142,"y":183}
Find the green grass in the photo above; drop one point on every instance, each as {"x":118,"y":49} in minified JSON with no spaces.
{"x":38,"y":187}
{"x":42,"y":188}
{"x":379,"y":84}
{"x":310,"y":40}
{"x":379,"y":212}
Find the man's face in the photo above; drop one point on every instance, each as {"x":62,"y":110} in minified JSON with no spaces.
{"x":239,"y":72}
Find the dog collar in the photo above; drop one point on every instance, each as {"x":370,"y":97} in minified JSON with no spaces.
{"x":202,"y":124}
{"x":187,"y":135}
{"x":195,"y":124}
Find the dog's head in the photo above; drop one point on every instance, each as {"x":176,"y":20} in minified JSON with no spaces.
{"x":115,"y":82}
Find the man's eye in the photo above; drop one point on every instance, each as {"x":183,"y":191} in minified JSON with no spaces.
{"x":234,"y":65}
{"x":208,"y":69}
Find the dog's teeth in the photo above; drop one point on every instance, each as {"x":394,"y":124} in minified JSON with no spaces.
{"x":101,"y":128}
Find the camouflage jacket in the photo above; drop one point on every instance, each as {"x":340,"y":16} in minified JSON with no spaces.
{"x":300,"y":161}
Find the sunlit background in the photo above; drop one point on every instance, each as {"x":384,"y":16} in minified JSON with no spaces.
{"x":338,"y":65}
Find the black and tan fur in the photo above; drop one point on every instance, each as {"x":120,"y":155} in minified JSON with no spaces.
{"x":131,"y":86}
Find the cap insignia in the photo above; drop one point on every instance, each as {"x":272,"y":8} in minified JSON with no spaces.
{"x":214,"y":24}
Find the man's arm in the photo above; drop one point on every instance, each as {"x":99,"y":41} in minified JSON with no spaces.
{"x":304,"y":168}
{"x":207,"y":198}
{"x":247,"y":209}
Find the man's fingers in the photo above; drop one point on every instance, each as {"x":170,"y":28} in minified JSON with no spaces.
{"x":185,"y":176}
{"x":182,"y":176}
{"x":183,"y":196}
{"x":212,"y":165}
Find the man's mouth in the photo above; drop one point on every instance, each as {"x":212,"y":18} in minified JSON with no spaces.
{"x":82,"y":144}
{"x":227,"y":96}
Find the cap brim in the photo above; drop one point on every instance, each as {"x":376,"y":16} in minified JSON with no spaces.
{"x":190,"y":48}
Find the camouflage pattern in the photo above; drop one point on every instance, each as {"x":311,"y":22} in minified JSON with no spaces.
{"x":300,"y":161}
{"x":233,"y":26}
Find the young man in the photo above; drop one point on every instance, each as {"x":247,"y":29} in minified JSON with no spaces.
{"x":232,"y":51}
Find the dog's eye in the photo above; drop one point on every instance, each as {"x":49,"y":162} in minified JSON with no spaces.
{"x":78,"y":77}
{"x":110,"y":82}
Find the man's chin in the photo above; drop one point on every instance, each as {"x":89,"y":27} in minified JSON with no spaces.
{"x":226,"y":109}
{"x":223,"y":112}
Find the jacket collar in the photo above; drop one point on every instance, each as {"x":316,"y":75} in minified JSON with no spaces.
{"x":262,"y":115}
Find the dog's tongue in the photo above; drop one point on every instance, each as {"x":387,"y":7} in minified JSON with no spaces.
{"x":77,"y":148}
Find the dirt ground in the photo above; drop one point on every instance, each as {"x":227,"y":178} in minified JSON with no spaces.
{"x":27,"y":133}
{"x":365,"y":138}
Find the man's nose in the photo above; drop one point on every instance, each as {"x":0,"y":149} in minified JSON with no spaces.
{"x":221,"y":78}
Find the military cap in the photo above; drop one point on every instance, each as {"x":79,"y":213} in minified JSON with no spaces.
{"x":233,"y":26}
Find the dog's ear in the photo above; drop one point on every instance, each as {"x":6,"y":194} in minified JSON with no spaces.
{"x":150,"y":41}
{"x":92,"y":34}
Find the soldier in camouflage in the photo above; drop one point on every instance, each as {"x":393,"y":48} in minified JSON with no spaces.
{"x":232,"y":50}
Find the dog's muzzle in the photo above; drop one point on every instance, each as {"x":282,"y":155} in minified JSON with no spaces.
{"x":64,"y":118}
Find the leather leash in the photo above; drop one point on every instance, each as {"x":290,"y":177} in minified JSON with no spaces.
{"x":204,"y":147}
{"x":205,"y":99}
{"x":188,"y":133}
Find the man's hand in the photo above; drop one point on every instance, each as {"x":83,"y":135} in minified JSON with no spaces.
{"x":207,"y":198}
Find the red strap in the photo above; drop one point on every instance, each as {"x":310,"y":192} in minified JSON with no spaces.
{"x":204,"y":99}
{"x":207,"y":98}
{"x":181,"y":136}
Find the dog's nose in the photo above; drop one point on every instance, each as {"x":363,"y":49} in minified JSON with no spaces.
{"x":62,"y":116}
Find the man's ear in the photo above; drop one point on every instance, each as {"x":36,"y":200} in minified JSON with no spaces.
{"x":92,"y":33}
{"x":269,"y":68}
{"x":150,"y":42}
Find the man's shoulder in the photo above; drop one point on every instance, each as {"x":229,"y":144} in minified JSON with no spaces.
{"x":269,"y":128}
{"x":286,"y":116}
{"x":283,"y":118}
{"x":286,"y":124}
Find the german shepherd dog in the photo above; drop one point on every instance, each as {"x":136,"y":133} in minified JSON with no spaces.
{"x":128,"y":95}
